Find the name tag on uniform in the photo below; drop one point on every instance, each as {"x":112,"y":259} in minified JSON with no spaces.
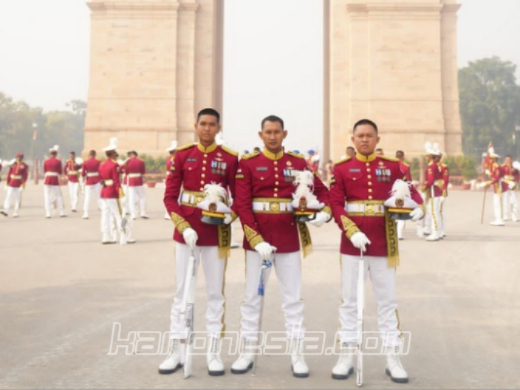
{"x":193,"y":159}
{"x":261,"y":169}
{"x":354,"y":170}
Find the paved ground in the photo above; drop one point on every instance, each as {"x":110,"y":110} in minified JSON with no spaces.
{"x":61,"y":291}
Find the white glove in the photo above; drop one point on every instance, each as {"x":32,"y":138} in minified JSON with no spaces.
{"x":265,"y":250}
{"x":482,"y":185}
{"x":417,"y":214}
{"x":320,"y":219}
{"x":228,"y":219}
{"x":190,"y":237}
{"x":360,"y":241}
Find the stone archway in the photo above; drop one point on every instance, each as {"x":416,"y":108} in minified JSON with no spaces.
{"x":154,"y":63}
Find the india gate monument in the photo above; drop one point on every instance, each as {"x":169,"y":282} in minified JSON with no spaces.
{"x":155,"y":63}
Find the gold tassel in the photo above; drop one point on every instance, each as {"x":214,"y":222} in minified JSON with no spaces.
{"x":305,"y":237}
{"x":224,"y":241}
{"x":392,"y":244}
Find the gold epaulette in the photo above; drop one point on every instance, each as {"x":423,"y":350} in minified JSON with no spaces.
{"x":389,"y":158}
{"x":185,"y":147}
{"x":229,"y":151}
{"x":406,"y":164}
{"x":343,"y":161}
{"x":299,"y":155}
{"x":250,"y":155}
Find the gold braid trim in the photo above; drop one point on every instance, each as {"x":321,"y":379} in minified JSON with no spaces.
{"x":234,"y":216}
{"x":180,"y":223}
{"x":252,"y":236}
{"x":349,"y":226}
{"x":305,"y":237}
{"x":224,"y":241}
{"x":392,"y":245}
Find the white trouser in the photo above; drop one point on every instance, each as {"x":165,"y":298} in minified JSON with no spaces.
{"x":14,"y":195}
{"x":214,"y":274}
{"x":111,"y":221}
{"x":52,"y":194}
{"x":74,"y":195}
{"x":288,"y":272}
{"x":498,"y":207}
{"x":383,"y":285}
{"x":510,"y":205}
{"x":91,"y":190}
{"x":433,"y":215}
{"x":400,"y":228}
{"x":442,"y":220}
{"x":136,"y":195}
{"x":124,"y":199}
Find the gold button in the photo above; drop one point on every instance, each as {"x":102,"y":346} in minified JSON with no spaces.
{"x":368,"y":169}
{"x":369,"y":183}
{"x":368,"y":164}
{"x":369,"y":197}
{"x":202,"y":182}
{"x":370,"y":176}
{"x":205,"y":155}
{"x":203,"y":168}
{"x":276,"y":163}
{"x":276,"y":195}
{"x":204,"y":162}
{"x":203,"y":175}
{"x":276,"y":176}
{"x":276,"y":183}
{"x":276,"y":190}
{"x":261,"y":178}
{"x":370,"y":190}
{"x":202,"y":189}
{"x":275,"y":168}
{"x":189,"y":169}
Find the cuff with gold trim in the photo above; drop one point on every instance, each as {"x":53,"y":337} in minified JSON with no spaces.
{"x":254,"y":238}
{"x":180,"y":223}
{"x":349,"y":227}
{"x":327,"y":210}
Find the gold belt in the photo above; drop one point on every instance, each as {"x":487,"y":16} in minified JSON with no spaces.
{"x":272,"y":205}
{"x":191,"y":198}
{"x":365,"y":208}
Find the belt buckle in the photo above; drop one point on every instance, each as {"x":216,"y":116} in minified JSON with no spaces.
{"x":370,"y":209}
{"x":198,"y":199}
{"x":274,"y":207}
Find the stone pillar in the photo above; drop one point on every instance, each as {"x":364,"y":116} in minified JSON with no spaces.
{"x":154,"y":64}
{"x":390,"y":61}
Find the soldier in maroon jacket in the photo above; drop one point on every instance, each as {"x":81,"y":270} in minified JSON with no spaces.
{"x":135,"y":169}
{"x":510,"y":178}
{"x":195,"y":166}
{"x":445,"y":177}
{"x":71,"y":169}
{"x":15,"y":183}
{"x":90,"y":173}
{"x":53,"y":170}
{"x":172,"y":149}
{"x":359,"y":189}
{"x":111,"y":192}
{"x":264,"y":203}
{"x":432,"y":189}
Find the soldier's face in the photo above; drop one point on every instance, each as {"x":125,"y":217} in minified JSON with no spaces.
{"x":273,"y":135}
{"x":207,"y":129}
{"x":508,"y":160}
{"x":365,"y":139}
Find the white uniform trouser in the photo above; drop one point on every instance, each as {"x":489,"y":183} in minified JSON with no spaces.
{"x":14,"y":194}
{"x":214,"y":274}
{"x":498,"y":207}
{"x":52,"y":194}
{"x":136,"y":195}
{"x":124,"y":199}
{"x":442,"y":221}
{"x":510,"y":205}
{"x":91,"y":191}
{"x":433,"y":215}
{"x":288,"y":272}
{"x":400,"y":228}
{"x":111,"y":221}
{"x":383,"y":284}
{"x":74,"y":195}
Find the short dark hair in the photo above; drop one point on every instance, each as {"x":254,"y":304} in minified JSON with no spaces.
{"x":508,"y":155}
{"x":208,"y":111}
{"x":365,"y":122}
{"x":350,"y":147}
{"x":133,"y":152}
{"x":273,"y":118}
{"x":379,"y":149}
{"x":74,"y":153}
{"x":92,"y":153}
{"x":399,"y":154}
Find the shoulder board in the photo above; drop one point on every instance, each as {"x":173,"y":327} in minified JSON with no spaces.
{"x":186,"y":147}
{"x":298,"y":155}
{"x":406,"y":164}
{"x":250,"y":155}
{"x":343,"y":161}
{"x":229,"y":151}
{"x":389,"y":158}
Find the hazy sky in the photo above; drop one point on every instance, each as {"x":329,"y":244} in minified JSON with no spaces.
{"x":273,"y":60}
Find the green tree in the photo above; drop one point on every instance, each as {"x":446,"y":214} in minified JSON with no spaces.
{"x":489,"y":106}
